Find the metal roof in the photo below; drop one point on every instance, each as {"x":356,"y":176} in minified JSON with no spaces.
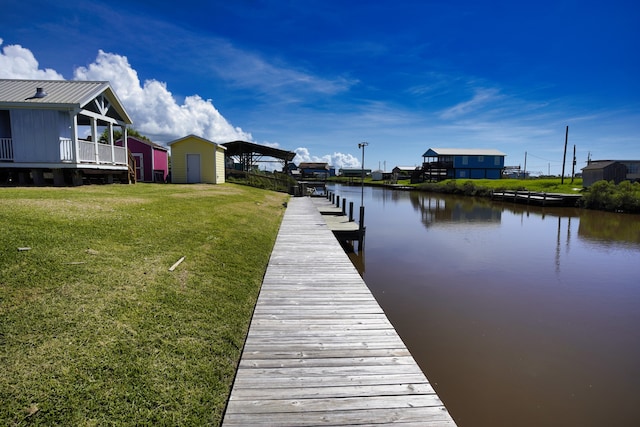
{"x":313,"y":165}
{"x":435,"y":152}
{"x":59,"y":94}
{"x":145,"y":141}
{"x":199,"y":138}
{"x":236,"y":148}
{"x":599,"y":164}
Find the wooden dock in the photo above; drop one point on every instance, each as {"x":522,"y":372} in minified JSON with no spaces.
{"x":320,"y":350}
{"x":537,"y":198}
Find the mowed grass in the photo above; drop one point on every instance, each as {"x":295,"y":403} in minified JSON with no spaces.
{"x":95,"y":329}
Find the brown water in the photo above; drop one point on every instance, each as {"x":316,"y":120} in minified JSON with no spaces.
{"x":519,"y":316}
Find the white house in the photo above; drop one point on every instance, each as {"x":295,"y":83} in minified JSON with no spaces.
{"x":53,"y":128}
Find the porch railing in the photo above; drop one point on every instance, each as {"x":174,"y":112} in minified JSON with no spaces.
{"x":88,"y":153}
{"x":6,"y":149}
{"x":66,"y":149}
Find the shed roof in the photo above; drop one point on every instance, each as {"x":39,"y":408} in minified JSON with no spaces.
{"x":406,"y":168}
{"x":60,"y":94}
{"x":313,"y":165}
{"x":599,"y":164}
{"x":147,"y":142}
{"x":435,"y":152}
{"x":198,"y":138}
{"x":237,"y":148}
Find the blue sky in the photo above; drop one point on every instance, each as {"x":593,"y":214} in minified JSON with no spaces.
{"x":319,"y":77}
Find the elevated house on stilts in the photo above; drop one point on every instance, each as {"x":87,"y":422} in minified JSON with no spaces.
{"x":50,"y":130}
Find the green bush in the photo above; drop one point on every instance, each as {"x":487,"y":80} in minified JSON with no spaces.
{"x":607,"y":196}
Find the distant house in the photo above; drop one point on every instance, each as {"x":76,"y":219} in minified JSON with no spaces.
{"x":52,"y":129}
{"x":460,"y":163}
{"x":315,"y":170}
{"x":354,"y":173}
{"x":151,"y":159}
{"x":380,"y":175}
{"x":195,"y":159}
{"x":404,"y":172}
{"x":610,"y":170}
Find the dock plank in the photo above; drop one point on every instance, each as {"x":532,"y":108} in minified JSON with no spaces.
{"x":320,"y":350}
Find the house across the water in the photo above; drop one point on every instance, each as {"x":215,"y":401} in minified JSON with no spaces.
{"x":316,"y":170}
{"x":460,"y":163}
{"x":611,"y":170}
{"x":51,"y":130}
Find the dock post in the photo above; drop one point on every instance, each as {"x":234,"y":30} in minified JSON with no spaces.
{"x":361,"y":229}
{"x":350,"y":211}
{"x":338,"y":201}
{"x":344,"y":206}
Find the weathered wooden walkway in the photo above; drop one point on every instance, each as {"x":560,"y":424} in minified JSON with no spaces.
{"x":320,"y":350}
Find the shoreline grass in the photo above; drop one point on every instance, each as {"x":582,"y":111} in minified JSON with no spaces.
{"x":95,"y":330}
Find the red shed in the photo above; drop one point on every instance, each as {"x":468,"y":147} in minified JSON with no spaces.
{"x":152,"y":160}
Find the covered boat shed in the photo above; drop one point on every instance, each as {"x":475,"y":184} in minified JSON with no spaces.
{"x":245,"y":156}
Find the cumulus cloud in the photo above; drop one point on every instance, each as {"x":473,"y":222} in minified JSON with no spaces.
{"x":337,"y":160}
{"x":151,"y":105}
{"x":153,"y":108}
{"x":17,"y":62}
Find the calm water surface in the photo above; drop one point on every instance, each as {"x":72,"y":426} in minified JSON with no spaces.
{"x":519,"y":316}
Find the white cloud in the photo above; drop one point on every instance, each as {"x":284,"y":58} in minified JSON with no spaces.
{"x":337,"y":160}
{"x":246,"y":69}
{"x":153,"y":108}
{"x":17,"y":62}
{"x":151,"y":105}
{"x":480,"y":98}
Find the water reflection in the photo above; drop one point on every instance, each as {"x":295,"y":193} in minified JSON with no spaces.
{"x":605,"y":228}
{"x":436,"y":210}
{"x":519,"y":315}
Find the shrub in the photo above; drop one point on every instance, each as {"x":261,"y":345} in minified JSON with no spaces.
{"x":605,"y":195}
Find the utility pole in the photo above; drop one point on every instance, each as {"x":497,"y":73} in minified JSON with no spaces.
{"x":362,"y":145}
{"x":564,"y":158}
{"x":573,"y":168}
{"x":524,"y":172}
{"x":361,"y":220}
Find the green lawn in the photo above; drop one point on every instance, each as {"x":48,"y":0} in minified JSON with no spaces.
{"x":95,"y":329}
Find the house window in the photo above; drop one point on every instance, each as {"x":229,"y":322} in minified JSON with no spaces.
{"x":463,"y":174}
{"x":496,"y":161}
{"x":480,"y":159}
{"x":465,"y":160}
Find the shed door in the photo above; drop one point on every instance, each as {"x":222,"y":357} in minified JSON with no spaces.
{"x":193,"y":168}
{"x":139,"y":166}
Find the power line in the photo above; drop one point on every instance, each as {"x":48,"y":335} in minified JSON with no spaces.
{"x":542,"y":158}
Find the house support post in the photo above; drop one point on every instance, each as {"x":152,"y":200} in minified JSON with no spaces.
{"x":58,"y":177}
{"x":23,"y":178}
{"x":76,"y":178}
{"x":38,"y":177}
